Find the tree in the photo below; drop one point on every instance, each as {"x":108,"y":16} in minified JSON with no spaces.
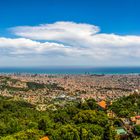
{"x":92,"y":104}
{"x":42,"y":125}
{"x":137,"y":129}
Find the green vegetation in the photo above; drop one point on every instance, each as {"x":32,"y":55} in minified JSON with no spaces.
{"x":127,"y":106}
{"x":18,"y":119}
{"x":80,"y":121}
{"x":137,"y":129}
{"x":11,"y":85}
{"x":33,"y":85}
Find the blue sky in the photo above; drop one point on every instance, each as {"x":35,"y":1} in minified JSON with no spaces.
{"x":110,"y":32}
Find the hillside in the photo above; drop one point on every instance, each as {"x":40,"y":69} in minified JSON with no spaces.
{"x":21,"y":121}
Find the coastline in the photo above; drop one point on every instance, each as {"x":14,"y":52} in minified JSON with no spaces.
{"x":71,"y":70}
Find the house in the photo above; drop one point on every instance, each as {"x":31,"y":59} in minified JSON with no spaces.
{"x":121,"y":133}
{"x":110,"y":114}
{"x":135,"y":120}
{"x":41,"y":107}
{"x":125,"y":121}
{"x":44,"y":138}
{"x":102,"y":104}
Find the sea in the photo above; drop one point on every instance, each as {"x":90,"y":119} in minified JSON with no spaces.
{"x":70,"y":70}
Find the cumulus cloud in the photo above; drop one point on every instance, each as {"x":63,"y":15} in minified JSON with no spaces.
{"x":56,"y":31}
{"x":72,"y":40}
{"x":25,"y":46}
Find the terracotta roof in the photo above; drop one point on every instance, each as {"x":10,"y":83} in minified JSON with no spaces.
{"x":133,"y":119}
{"x":102,"y":104}
{"x":137,"y":117}
{"x":44,"y":138}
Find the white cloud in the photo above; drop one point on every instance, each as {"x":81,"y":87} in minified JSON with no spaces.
{"x":56,"y":31}
{"x":25,"y":46}
{"x":74,"y":41}
{"x":74,"y":33}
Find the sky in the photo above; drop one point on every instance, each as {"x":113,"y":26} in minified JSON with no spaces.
{"x":69,"y":33}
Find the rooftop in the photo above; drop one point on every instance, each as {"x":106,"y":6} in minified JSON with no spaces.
{"x":44,"y":138}
{"x":102,"y":104}
{"x":121,"y":131}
